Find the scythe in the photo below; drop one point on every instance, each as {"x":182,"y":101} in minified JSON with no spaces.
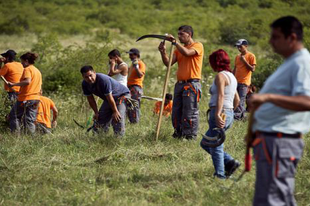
{"x":165,"y":38}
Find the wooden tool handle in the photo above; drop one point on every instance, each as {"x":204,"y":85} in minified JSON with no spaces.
{"x":164,"y":92}
{"x":6,"y":82}
{"x":223,"y":116}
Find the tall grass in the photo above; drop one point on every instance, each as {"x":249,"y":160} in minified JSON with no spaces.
{"x":72,"y":167}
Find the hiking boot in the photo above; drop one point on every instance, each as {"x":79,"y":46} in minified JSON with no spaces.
{"x":176,"y":135}
{"x":231,"y":167}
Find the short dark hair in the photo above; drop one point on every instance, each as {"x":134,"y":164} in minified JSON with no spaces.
{"x":187,"y":29}
{"x":114,"y":53}
{"x":288,"y":26}
{"x":9,"y":55}
{"x":168,"y":96}
{"x":86,"y":69}
{"x":30,"y":57}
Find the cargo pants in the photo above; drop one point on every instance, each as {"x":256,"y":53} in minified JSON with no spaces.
{"x":43,"y":129}
{"x":241,"y":109}
{"x":136,"y":92}
{"x":24,"y":112}
{"x":185,"y":109}
{"x":105,"y":116}
{"x":276,"y":162}
{"x":12,"y":97}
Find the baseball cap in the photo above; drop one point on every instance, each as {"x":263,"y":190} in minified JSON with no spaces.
{"x":241,"y":42}
{"x":9,"y":53}
{"x":134,"y":51}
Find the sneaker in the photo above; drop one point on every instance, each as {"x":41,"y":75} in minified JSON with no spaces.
{"x":231,"y":167}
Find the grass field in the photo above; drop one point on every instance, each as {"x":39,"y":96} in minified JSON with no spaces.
{"x":72,"y":167}
{"x":75,"y":168}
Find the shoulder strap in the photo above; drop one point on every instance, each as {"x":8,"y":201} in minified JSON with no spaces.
{"x":227,"y":76}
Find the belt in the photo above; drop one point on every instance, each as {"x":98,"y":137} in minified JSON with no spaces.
{"x":189,"y":80}
{"x":279,"y":134}
{"x":222,"y":108}
{"x":134,"y":85}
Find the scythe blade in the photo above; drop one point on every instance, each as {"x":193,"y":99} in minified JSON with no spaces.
{"x":163,"y":37}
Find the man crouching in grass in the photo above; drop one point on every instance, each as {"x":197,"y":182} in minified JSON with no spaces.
{"x":113,"y":94}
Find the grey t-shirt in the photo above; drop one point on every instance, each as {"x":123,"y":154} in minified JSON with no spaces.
{"x":103,"y":86}
{"x":292,"y":78}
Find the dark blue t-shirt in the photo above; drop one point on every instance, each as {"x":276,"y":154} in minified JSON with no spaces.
{"x":103,"y":86}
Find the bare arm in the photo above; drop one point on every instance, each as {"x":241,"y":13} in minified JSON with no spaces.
{"x":236,"y":100}
{"x":248,"y":66}
{"x":116,"y":115}
{"x":24,"y":82}
{"x":113,"y":69}
{"x":55,"y":115}
{"x":93,"y":105}
{"x":121,"y":69}
{"x":294,"y":103}
{"x":185,"y":51}
{"x":164,"y":56}
{"x":139,"y":73}
{"x":220,"y":82}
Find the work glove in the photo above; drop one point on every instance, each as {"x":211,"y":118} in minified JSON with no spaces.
{"x":132,"y":104}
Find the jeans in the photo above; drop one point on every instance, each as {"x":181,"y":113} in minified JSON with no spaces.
{"x":136,"y":93}
{"x":24,"y":113}
{"x":219,"y":157}
{"x":241,"y":109}
{"x":105,"y":115}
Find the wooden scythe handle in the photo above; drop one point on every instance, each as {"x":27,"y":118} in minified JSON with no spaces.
{"x":6,"y":82}
{"x":164,"y":93}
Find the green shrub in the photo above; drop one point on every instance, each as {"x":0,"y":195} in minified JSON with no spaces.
{"x":60,"y":67}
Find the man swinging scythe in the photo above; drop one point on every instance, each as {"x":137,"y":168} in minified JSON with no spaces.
{"x":187,"y":92}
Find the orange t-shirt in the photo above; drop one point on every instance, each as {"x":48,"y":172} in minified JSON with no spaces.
{"x":242,"y":74}
{"x":44,"y":111}
{"x":31,"y":91}
{"x":133,"y":78}
{"x":12,"y":72}
{"x":190,"y":67}
{"x":167,"y":108}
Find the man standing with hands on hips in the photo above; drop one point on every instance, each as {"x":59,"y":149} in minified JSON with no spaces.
{"x":281,"y":116}
{"x":187,"y":91}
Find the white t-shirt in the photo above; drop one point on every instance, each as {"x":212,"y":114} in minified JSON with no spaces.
{"x":119,"y":77}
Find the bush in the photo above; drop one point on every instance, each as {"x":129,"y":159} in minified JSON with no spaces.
{"x":60,"y":67}
{"x":266,"y":66}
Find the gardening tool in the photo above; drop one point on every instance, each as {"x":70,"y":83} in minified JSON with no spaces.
{"x":7,"y":83}
{"x":131,"y":104}
{"x":163,"y":37}
{"x":217,"y":140}
{"x":152,"y":98}
{"x":249,"y":138}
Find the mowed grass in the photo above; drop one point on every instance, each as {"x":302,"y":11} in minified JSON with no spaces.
{"x":72,"y":167}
